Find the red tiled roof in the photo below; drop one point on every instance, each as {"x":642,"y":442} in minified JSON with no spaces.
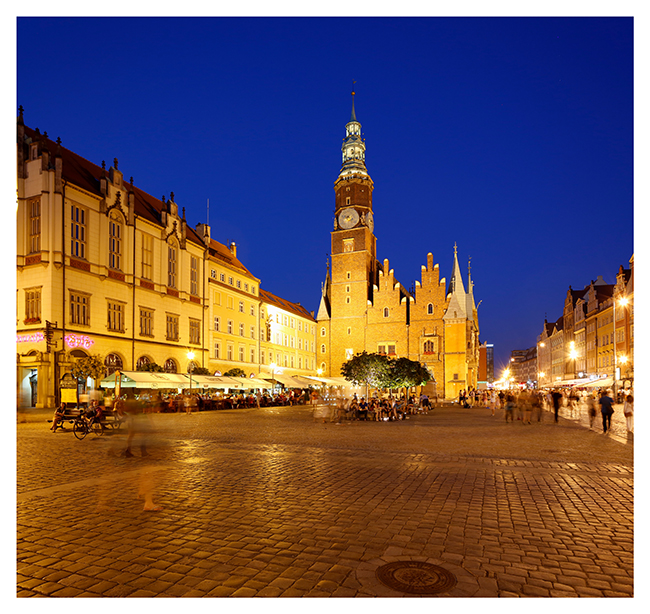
{"x":286,"y":305}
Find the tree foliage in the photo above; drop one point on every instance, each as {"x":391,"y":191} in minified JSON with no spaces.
{"x":88,"y":366}
{"x":365,"y":369}
{"x":380,"y":371}
{"x":235,"y":372}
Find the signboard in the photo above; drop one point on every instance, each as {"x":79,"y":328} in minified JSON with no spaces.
{"x":68,"y":388}
{"x":79,"y":341}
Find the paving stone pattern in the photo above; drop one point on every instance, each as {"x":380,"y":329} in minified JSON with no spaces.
{"x":274,"y":503}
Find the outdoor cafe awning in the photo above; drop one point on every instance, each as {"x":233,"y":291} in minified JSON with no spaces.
{"x":285,"y":380}
{"x":330,"y":381}
{"x":145,"y":379}
{"x":600,"y":383}
{"x":213,"y":381}
{"x":247,"y":383}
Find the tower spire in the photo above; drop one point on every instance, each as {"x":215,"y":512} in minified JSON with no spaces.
{"x":353,"y":148}
{"x":353,"y":117}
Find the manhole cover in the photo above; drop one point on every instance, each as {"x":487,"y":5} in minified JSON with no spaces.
{"x":416,"y":577}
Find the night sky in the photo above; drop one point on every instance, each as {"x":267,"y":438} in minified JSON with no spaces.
{"x":512,"y":137}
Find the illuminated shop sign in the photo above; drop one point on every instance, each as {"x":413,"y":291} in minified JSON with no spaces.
{"x":79,"y":341}
{"x":33,"y":338}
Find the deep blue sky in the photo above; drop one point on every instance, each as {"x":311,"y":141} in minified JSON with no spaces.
{"x":512,"y":137}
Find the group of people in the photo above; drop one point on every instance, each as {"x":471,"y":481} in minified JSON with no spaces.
{"x":390,"y":409}
{"x":528,"y":405}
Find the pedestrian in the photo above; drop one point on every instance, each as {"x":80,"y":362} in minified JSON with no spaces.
{"x":591,"y":409}
{"x":527,"y":406}
{"x":556,"y":396}
{"x":59,"y":412}
{"x":606,"y":409}
{"x":536,"y":405}
{"x":510,"y":407}
{"x":628,"y":412}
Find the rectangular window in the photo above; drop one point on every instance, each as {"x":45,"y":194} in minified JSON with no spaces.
{"x":213,"y":274}
{"x":230,"y":303}
{"x":171,"y":266}
{"x":238,"y":283}
{"x":262,"y":357}
{"x":216,"y":323}
{"x":79,"y":308}
{"x":391,"y":349}
{"x":33,"y":305}
{"x":262,"y":334}
{"x":299,"y":343}
{"x":381,"y":349}
{"x":217,"y":298}
{"x":252,"y":310}
{"x":300,"y":362}
{"x":217,"y":349}
{"x":230,"y":281}
{"x":241,"y":329}
{"x":241,"y":306}
{"x":222,"y":277}
{"x":78,"y":232}
{"x":241,"y":353}
{"x":230,"y":327}
{"x":147,"y":256}
{"x":246,"y":287}
{"x":229,"y":352}
{"x":195,"y":331}
{"x":194,"y":275}
{"x":252,"y":332}
{"x":35,"y":226}
{"x":270,"y":357}
{"x":252,"y":355}
{"x":114,"y":244}
{"x":146,"y":322}
{"x":116,"y":317}
{"x":172,"y":327}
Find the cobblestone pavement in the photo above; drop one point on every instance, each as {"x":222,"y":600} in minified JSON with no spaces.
{"x":271,"y":502}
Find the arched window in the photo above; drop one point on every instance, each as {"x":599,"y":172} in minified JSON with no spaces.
{"x":172,"y":265}
{"x":429,"y":347}
{"x":170,"y":366}
{"x":115,"y":241}
{"x":141,"y":362}
{"x":322,"y":349}
{"x":113,"y":363}
{"x":322,"y":332}
{"x":386,"y":312}
{"x":430,"y":309}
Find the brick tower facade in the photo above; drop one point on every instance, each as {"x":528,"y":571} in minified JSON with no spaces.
{"x":364,"y":307}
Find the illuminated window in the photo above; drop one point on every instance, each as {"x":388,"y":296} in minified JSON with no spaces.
{"x":143,"y":361}
{"x":241,"y":329}
{"x":241,"y":306}
{"x":230,"y":327}
{"x":322,"y":332}
{"x":252,"y":355}
{"x":241,"y":354}
{"x":430,"y":309}
{"x":322,"y":349}
{"x":216,"y":323}
{"x":170,"y":366}
{"x":113,"y":363}
{"x":252,"y":332}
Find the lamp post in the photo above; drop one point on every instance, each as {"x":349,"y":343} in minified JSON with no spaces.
{"x":623,"y":301}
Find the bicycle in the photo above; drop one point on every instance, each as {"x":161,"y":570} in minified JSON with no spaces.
{"x":84,"y":425}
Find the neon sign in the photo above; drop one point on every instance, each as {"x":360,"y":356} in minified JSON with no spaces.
{"x":79,"y":341}
{"x":34,"y":337}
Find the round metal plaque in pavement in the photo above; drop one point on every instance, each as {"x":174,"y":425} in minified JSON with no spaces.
{"x":416,"y":577}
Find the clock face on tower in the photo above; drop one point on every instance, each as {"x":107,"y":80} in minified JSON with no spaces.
{"x":348,"y":218}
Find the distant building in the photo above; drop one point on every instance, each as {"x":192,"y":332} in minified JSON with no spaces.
{"x":523,"y":366}
{"x":485,"y":365}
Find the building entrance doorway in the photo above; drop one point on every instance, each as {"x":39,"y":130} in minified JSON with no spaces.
{"x":33,"y":383}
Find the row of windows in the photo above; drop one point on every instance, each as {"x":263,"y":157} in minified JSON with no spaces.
{"x":282,"y":359}
{"x":237,"y":283}
{"x":78,"y":240}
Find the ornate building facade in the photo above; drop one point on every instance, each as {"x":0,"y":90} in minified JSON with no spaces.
{"x":364,"y":307}
{"x":104,"y":268}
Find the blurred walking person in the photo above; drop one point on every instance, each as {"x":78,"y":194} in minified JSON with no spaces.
{"x":606,"y":409}
{"x":591,"y":409}
{"x":556,"y":396}
{"x":628,"y":412}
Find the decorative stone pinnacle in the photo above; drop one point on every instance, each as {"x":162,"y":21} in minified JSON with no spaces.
{"x":103,"y":165}
{"x":115,"y":163}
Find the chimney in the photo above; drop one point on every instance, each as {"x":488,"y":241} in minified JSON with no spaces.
{"x":233,"y":249}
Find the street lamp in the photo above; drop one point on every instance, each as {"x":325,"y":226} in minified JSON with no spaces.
{"x":190,"y":357}
{"x":623,"y":302}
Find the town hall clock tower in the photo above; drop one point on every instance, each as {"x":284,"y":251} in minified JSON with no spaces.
{"x":348,"y":290}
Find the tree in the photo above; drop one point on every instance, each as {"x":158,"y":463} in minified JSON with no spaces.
{"x":405,"y":373}
{"x":88,"y":366}
{"x":370,"y":370}
{"x":236,"y":372}
{"x":200,"y":371}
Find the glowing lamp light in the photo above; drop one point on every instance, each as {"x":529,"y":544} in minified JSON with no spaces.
{"x":623,"y":359}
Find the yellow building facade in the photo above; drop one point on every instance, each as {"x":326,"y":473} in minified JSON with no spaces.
{"x":104,"y":268}
{"x":364,"y":307}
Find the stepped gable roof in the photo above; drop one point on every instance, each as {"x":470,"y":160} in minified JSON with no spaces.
{"x":219,"y":251}
{"x":295,"y":308}
{"x":85,"y":175}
